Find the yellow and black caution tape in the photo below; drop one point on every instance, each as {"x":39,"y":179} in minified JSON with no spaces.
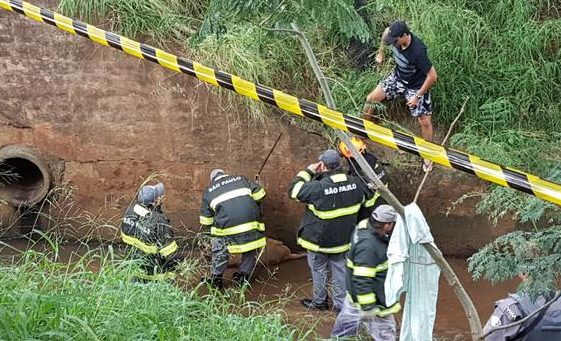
{"x":485,"y":170}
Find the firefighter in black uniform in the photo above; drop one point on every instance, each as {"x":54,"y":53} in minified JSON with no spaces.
{"x":147,"y":230}
{"x":333,"y":200}
{"x":367,"y":265}
{"x":231,"y":208}
{"x":355,"y":169}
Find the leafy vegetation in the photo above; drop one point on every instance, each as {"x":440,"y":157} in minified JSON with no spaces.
{"x":505,"y":55}
{"x":536,"y":255}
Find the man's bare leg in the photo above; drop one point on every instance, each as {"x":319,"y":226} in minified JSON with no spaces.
{"x":426,"y":132}
{"x":426,"y":127}
{"x":376,"y":96}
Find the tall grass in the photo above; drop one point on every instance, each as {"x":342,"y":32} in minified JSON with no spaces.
{"x":42,"y":299}
{"x":504,"y":51}
{"x":162,"y":19}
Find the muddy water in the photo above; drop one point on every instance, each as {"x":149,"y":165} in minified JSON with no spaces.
{"x":288,"y":282}
{"x":293,"y":278}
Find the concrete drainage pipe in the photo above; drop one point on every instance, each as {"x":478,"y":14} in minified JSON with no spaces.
{"x":24,"y":176}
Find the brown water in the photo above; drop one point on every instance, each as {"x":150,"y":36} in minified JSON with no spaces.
{"x":293,"y":278}
{"x":288,"y":282}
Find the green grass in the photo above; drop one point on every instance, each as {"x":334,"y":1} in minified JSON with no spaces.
{"x":42,"y":299}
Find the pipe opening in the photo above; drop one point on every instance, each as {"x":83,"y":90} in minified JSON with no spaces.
{"x":24,"y":177}
{"x":20,"y":180}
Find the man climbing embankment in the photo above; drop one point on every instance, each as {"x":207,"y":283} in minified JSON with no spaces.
{"x":412,"y":78}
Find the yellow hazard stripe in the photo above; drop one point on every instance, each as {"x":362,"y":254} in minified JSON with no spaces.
{"x":332,"y":118}
{"x":64,"y":23}
{"x":245,"y":88}
{"x":32,"y":12}
{"x":488,"y":171}
{"x":167,"y":60}
{"x":205,"y":73}
{"x":97,"y":35}
{"x":131,"y":47}
{"x":287,"y":102}
{"x":6,"y":5}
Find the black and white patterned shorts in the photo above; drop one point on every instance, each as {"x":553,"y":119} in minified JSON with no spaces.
{"x":394,"y":87}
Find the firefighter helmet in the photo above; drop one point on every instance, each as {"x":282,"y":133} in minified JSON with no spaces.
{"x":358,"y":143}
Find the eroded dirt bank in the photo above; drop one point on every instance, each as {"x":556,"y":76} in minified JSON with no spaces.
{"x":105,"y":121}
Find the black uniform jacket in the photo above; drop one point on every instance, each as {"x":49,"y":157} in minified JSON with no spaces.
{"x":230,"y":207}
{"x":367,"y":264}
{"x":147,"y":228}
{"x":334,"y":200}
{"x":379,"y":170}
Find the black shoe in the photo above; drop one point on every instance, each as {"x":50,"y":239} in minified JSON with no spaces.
{"x":214,"y":281}
{"x":309,"y":303}
{"x":240,"y":278}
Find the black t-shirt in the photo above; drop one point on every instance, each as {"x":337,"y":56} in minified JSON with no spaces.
{"x":413,"y":63}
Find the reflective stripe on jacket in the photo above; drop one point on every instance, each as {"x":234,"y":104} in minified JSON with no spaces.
{"x":147,"y":229}
{"x":333,"y":200}
{"x":367,"y":265}
{"x":230,"y":207}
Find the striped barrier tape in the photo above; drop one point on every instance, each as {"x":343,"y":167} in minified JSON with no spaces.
{"x":472,"y":164}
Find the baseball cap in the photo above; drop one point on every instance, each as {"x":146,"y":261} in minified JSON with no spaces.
{"x":396,"y":30}
{"x":330,"y":158}
{"x":384,"y":214}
